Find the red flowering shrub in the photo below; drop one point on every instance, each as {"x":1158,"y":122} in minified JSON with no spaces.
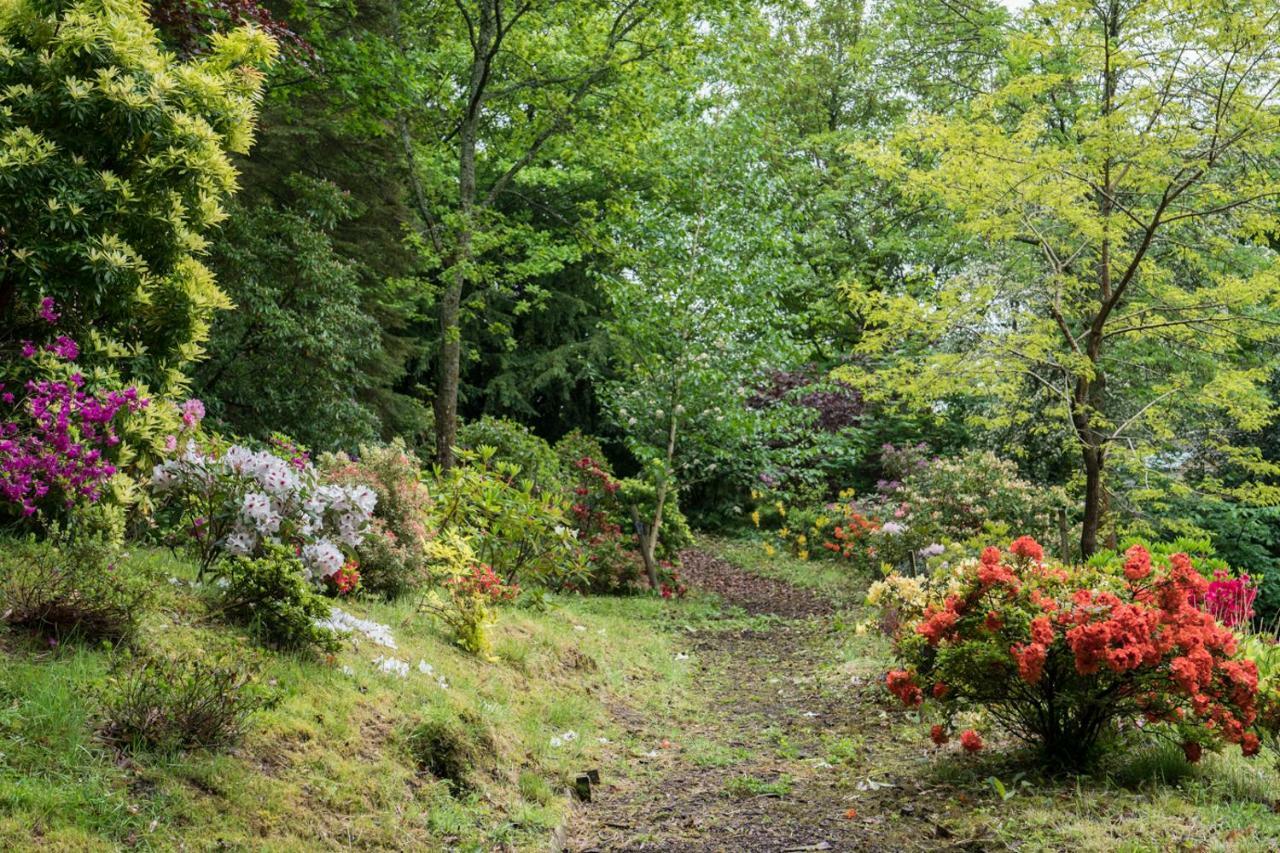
{"x":613,"y":562}
{"x":1058,"y":656}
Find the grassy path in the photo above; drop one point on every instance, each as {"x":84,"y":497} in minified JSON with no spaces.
{"x":788,"y":743}
{"x":773,"y":760}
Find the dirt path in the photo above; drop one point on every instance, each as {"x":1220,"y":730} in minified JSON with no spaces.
{"x":790,"y":751}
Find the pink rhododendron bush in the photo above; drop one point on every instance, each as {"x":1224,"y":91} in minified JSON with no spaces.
{"x":1064,"y":658}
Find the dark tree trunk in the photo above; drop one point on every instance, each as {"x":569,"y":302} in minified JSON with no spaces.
{"x":1093,"y":460}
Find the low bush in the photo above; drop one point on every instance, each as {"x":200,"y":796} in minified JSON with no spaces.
{"x":268,"y":595}
{"x":169,"y":704}
{"x":469,"y":593}
{"x":525,"y":536}
{"x":392,"y":556}
{"x":675,"y":535}
{"x":1062,"y":658}
{"x":73,"y":590}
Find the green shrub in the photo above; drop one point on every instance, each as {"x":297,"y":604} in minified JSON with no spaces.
{"x":575,"y":446}
{"x":270,"y":596}
{"x":169,"y":704}
{"x":525,"y":535}
{"x":469,"y":596}
{"x":675,"y":535}
{"x":74,"y":590}
{"x":515,"y":444}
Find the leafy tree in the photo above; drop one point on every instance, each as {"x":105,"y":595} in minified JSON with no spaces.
{"x":499,"y":92}
{"x":113,"y":168}
{"x":695,"y":313}
{"x":295,"y":353}
{"x":1118,"y":182}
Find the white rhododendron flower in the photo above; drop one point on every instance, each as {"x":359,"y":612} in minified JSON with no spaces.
{"x":247,"y":498}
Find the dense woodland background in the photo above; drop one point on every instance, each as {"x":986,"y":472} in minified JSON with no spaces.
{"x":557,"y":180}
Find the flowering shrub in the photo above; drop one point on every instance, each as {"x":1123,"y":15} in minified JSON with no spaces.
{"x":1229,"y":600}
{"x":1059,"y":657}
{"x":57,"y":435}
{"x":613,"y":563}
{"x":471,"y":593}
{"x":393,"y":555}
{"x":234,"y":502}
{"x":927,"y":503}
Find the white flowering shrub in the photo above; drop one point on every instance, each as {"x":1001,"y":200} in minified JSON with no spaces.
{"x":233,"y":502}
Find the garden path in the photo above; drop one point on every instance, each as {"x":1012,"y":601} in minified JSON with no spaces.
{"x":787,"y":749}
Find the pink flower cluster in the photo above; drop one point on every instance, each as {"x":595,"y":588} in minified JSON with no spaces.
{"x":1228,"y":599}
{"x":55,"y":433}
{"x":53,"y":442}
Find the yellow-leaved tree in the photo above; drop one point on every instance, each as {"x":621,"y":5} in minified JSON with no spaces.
{"x":1120,"y":181}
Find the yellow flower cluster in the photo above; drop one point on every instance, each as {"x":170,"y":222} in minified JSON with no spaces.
{"x":907,"y":595}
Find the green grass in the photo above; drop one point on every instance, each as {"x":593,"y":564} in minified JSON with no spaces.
{"x":334,"y":764}
{"x":827,"y":577}
{"x":751,"y":786}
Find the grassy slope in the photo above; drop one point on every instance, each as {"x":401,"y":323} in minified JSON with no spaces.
{"x":1148,"y":800}
{"x":329,"y":766}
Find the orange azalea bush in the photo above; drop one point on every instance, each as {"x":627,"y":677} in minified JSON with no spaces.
{"x":1062,"y":657}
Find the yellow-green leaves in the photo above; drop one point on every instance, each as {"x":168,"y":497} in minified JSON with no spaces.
{"x":1121,"y":178}
{"x":114,"y":164}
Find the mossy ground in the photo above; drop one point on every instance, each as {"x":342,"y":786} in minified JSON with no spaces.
{"x":716,"y":725}
{"x":335,"y":764}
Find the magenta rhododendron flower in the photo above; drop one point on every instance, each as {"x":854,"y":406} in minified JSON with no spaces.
{"x":1229,"y":599}
{"x":48,"y":310}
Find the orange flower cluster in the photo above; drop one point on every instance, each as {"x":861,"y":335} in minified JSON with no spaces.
{"x":846,"y":536}
{"x":1132,"y":640}
{"x":903,"y":685}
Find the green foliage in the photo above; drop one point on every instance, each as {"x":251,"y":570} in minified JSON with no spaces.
{"x":470,"y":593}
{"x":115,"y":163}
{"x":575,"y":446}
{"x":270,"y":596}
{"x":1125,"y":301}
{"x":299,"y":312}
{"x":1246,"y":537}
{"x":172,"y":703}
{"x":675,"y":534}
{"x":73,"y":590}
{"x":525,"y":536}
{"x":515,"y":444}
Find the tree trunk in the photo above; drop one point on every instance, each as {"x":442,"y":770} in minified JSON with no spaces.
{"x":649,"y":542}
{"x":1093,"y":461}
{"x":446,"y":402}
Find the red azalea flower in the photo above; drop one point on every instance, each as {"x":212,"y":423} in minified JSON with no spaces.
{"x":1137,"y":563}
{"x":1027,"y":548}
{"x":971,"y":741}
